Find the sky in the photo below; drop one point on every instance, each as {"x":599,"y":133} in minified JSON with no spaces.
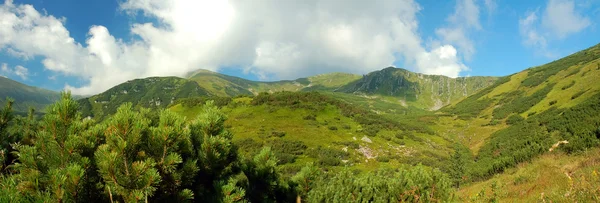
{"x":89,"y":46}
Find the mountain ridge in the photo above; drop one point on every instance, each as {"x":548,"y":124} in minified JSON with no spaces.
{"x":26,"y":96}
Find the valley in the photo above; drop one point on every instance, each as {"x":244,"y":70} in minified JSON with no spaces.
{"x":482,"y":138}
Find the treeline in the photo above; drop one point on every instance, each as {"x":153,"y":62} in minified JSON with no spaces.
{"x":134,"y":157}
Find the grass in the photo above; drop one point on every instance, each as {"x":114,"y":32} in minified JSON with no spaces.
{"x":544,"y":178}
{"x":261,"y":122}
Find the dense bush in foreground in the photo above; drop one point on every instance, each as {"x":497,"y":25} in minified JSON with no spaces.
{"x":143,"y":157}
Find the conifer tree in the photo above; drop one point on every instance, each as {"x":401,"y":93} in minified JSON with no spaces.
{"x":214,"y":154}
{"x":457,"y":165}
{"x":6,"y":116}
{"x":306,"y":180}
{"x":128,"y":172}
{"x":53,"y":166}
{"x":164,"y":144}
{"x":264,"y":181}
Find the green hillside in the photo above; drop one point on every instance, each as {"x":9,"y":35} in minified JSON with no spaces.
{"x":530,"y":136}
{"x":430,"y":92}
{"x":26,"y":96}
{"x":315,"y":127}
{"x":224,"y":85}
{"x":153,"y":92}
{"x":553,"y":107}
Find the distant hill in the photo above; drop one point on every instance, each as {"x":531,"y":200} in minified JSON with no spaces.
{"x":224,"y":85}
{"x":425,"y":91}
{"x":26,"y":96}
{"x":153,"y":92}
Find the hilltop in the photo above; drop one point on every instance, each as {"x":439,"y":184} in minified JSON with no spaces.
{"x":153,"y":92}
{"x":430,"y":92}
{"x":26,"y":96}
{"x":224,"y":85}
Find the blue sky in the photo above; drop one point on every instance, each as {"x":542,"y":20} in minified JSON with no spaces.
{"x":89,"y":46}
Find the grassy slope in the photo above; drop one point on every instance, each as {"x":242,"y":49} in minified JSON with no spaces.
{"x":224,"y":85}
{"x":154,"y":92}
{"x":26,"y":96}
{"x":258,"y":122}
{"x":570,"y":82}
{"x":578,"y":78}
{"x":550,"y":177}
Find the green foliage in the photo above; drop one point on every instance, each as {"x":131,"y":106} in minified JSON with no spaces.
{"x":459,"y":163}
{"x":128,"y":172}
{"x":516,"y":102}
{"x":569,"y":85}
{"x":351,"y":144}
{"x":287,"y":151}
{"x":328,"y":156}
{"x":190,"y":102}
{"x":538,"y":75}
{"x":54,"y":165}
{"x":573,"y":72}
{"x":416,"y":88}
{"x":316,"y":102}
{"x":578,"y":94}
{"x":153,"y":92}
{"x":415,"y":184}
{"x":24,"y":96}
{"x":264,"y":183}
{"x":526,"y":139}
{"x":6,"y":117}
{"x":472,"y":106}
{"x":514,"y":119}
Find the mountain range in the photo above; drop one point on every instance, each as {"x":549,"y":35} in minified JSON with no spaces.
{"x":490,"y":125}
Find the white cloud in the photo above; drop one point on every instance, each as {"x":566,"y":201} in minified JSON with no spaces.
{"x":561,"y":18}
{"x":529,"y":31}
{"x":443,"y":59}
{"x":20,"y":71}
{"x":4,"y":67}
{"x":464,"y":20}
{"x":558,"y":20}
{"x":491,"y":6}
{"x":271,"y":39}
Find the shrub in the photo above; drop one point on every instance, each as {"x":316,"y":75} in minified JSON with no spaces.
{"x":384,"y":159}
{"x":310,"y":117}
{"x":351,"y":144}
{"x":333,"y":128}
{"x":277,"y":134}
{"x":569,"y":85}
{"x":328,"y":156}
{"x":514,"y":119}
{"x":578,"y":94}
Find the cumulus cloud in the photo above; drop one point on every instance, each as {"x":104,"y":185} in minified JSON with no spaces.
{"x":19,"y":71}
{"x":559,"y":19}
{"x":271,"y":39}
{"x":464,"y":20}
